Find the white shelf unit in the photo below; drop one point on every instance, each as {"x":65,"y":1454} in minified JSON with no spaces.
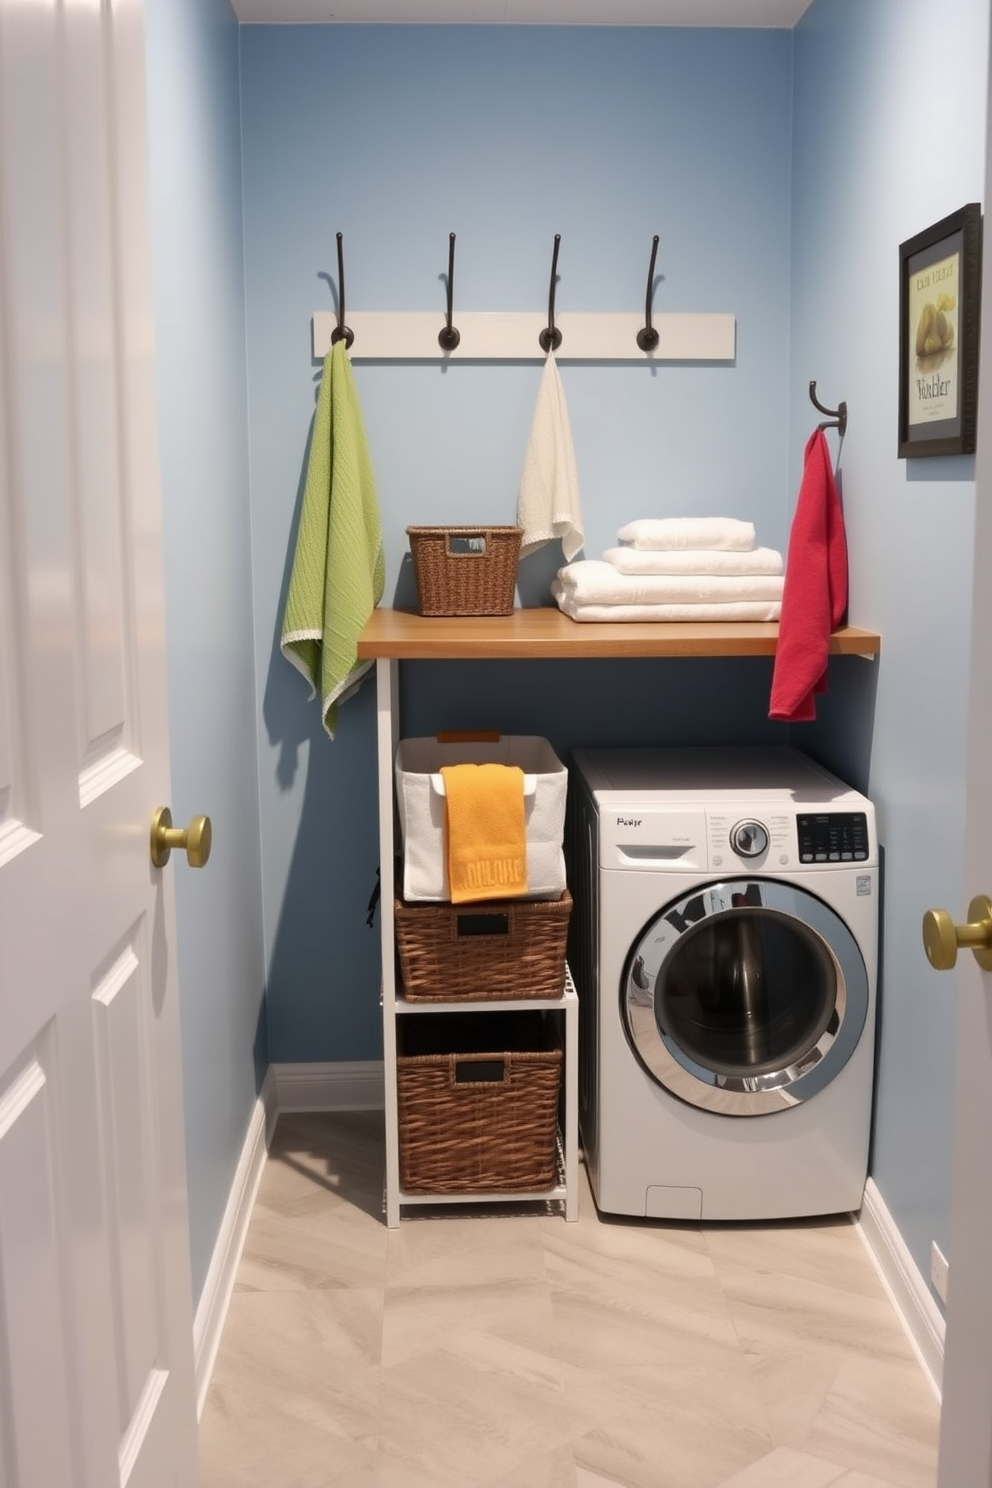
{"x":527,"y":634}
{"x":394,"y":1006}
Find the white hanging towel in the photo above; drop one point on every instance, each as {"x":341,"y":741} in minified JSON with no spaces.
{"x":548,"y":499}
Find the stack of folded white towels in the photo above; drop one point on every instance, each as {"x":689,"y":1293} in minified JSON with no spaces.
{"x":676,"y":568}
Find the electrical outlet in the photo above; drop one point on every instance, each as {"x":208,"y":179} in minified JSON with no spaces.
{"x":938,"y":1271}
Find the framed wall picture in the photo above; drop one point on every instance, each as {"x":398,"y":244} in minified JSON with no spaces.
{"x":939,"y":306}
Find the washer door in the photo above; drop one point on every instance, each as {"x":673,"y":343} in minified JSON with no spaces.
{"x":745,"y":997}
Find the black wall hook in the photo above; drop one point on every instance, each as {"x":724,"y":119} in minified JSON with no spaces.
{"x":341,"y":332}
{"x":550,"y":338}
{"x":647,"y":337}
{"x":838,"y":415}
{"x":448,"y":338}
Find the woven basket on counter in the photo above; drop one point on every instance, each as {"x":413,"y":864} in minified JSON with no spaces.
{"x":496,"y":949}
{"x":477,"y":1100}
{"x":465,"y":570}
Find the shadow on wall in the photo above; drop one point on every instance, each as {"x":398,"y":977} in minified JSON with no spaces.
{"x":595,"y":703}
{"x":260,"y":1046}
{"x":405,"y":592}
{"x":324,"y":968}
{"x":535,"y":573}
{"x":841,"y":737}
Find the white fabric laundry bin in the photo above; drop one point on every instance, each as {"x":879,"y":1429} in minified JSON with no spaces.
{"x":420,"y":802}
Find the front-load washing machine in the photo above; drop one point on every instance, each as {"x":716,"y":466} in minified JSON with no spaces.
{"x":724,"y":945}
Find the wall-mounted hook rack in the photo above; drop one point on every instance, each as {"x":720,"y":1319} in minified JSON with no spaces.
{"x":551,"y":338}
{"x":837,"y":416}
{"x":647,"y":336}
{"x":523,"y":336}
{"x":341,"y":332}
{"x":448,"y":338}
{"x":513,"y":336}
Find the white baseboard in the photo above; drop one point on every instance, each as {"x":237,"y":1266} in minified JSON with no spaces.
{"x":358,"y":1085}
{"x":345,"y":1086}
{"x":211,"y":1311}
{"x":907,"y":1288}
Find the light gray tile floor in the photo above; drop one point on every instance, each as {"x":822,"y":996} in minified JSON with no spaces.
{"x":511,"y":1349}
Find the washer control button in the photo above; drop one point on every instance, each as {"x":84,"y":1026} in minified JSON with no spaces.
{"x":749,"y":839}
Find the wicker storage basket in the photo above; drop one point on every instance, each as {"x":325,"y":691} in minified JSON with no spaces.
{"x":465,"y":570}
{"x":477,"y":1100}
{"x":499,"y":948}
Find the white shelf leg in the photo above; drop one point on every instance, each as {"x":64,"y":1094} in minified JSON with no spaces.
{"x":387,"y":729}
{"x":572,"y":1108}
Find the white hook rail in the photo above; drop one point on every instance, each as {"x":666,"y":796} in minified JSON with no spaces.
{"x":382,"y":335}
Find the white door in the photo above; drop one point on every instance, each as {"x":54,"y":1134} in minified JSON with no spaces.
{"x":966,"y":1413}
{"x":96,"y":1367}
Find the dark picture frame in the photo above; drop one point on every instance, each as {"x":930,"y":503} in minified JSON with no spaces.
{"x":940,"y":277}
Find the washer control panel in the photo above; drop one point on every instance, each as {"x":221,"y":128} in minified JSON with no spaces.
{"x":833,"y":837}
{"x":757,"y":836}
{"x":735,"y":838}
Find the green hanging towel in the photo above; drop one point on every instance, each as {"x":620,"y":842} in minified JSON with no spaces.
{"x":338,"y":567}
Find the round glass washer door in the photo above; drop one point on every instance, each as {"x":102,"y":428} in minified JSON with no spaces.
{"x":745,"y":997}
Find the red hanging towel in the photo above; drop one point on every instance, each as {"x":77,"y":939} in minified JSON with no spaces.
{"x":814,"y":596}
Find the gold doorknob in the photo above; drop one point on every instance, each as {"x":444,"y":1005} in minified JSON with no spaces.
{"x":941,"y":937}
{"x":194,"y":840}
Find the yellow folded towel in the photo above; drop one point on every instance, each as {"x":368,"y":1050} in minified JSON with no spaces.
{"x":487,"y":835}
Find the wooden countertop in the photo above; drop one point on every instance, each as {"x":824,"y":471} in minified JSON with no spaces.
{"x":535,"y":633}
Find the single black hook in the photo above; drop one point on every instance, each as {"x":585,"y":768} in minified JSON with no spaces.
{"x":647,"y":337}
{"x":341,"y":332}
{"x":838,"y":415}
{"x":550,"y":337}
{"x":448,"y":338}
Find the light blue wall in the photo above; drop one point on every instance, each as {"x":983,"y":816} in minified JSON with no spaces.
{"x":887,"y":140}
{"x":505,"y":136}
{"x":199,"y":280}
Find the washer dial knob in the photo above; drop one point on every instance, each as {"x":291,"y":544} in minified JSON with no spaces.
{"x":749,"y":839}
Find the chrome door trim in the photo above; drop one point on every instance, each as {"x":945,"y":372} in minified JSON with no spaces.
{"x":743,"y":1095}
